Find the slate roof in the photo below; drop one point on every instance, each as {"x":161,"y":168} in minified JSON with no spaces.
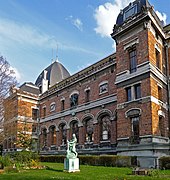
{"x":56,"y":72}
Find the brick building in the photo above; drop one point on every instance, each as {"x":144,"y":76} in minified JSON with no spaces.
{"x":20,"y":118}
{"x":119,"y":105}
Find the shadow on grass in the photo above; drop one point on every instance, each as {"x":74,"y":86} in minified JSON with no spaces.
{"x":52,"y":169}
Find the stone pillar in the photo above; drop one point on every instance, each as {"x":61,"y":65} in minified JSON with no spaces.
{"x":48,"y":139}
{"x":57,"y":138}
{"x":81,"y":133}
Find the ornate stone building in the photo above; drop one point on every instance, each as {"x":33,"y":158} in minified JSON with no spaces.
{"x":119,"y":105}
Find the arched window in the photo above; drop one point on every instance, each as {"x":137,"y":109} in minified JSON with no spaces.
{"x":105,"y":126}
{"x":74,"y":100}
{"x":75,"y":129}
{"x":52,"y":135}
{"x":44,"y":133}
{"x":63,"y":131}
{"x":135,"y":130}
{"x":89,"y":130}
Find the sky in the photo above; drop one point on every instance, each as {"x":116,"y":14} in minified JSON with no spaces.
{"x":33,"y":33}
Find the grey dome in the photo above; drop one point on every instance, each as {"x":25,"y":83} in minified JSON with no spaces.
{"x":56,"y":72}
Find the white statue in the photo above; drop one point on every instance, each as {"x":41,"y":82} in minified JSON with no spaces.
{"x":71,"y":148}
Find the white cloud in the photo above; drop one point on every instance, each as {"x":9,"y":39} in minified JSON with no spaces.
{"x":76,"y":22}
{"x":106,"y":14}
{"x":162,"y":16}
{"x":16,"y":73}
{"x":23,"y":35}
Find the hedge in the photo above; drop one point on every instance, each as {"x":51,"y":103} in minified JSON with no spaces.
{"x":103,"y":160}
{"x":164,"y":162}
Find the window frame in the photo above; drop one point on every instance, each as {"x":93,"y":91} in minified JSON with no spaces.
{"x":129,"y":10}
{"x":103,"y":87}
{"x":52,"y":107}
{"x":133,"y":60}
{"x":137,"y":91}
{"x":129,"y":93}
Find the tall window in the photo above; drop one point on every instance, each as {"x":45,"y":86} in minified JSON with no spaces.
{"x":74,"y":100}
{"x":63,"y":130}
{"x":133,"y":92}
{"x":89,"y":130}
{"x":62,"y":105}
{"x":158,"y":63}
{"x":87,"y":94}
{"x":44,"y":112}
{"x":52,"y":135}
{"x":34,"y":114}
{"x":161,"y":126}
{"x":44,"y":138}
{"x":133,"y":61}
{"x":135,"y":129}
{"x":75,"y":129}
{"x":159,"y":93}
{"x":128,"y":94}
{"x":137,"y":91}
{"x":105,"y":126}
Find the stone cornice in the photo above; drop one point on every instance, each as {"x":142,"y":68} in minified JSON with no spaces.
{"x":143,"y":68}
{"x":83,"y":107}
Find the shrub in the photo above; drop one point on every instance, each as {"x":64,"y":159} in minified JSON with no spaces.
{"x":164,"y":162}
{"x":6,"y":160}
{"x":103,"y":160}
{"x":58,"y":159}
{"x":24,"y":157}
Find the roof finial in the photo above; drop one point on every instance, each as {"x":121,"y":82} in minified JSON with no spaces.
{"x":52,"y":56}
{"x":57,"y":54}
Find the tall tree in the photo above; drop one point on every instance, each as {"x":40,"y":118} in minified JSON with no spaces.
{"x":7,"y":81}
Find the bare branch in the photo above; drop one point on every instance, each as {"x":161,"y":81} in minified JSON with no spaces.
{"x":7,"y":81}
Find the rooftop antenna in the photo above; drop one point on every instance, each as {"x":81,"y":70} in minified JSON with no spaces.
{"x":57,"y":53}
{"x":52,"y":56}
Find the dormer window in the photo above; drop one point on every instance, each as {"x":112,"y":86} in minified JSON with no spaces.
{"x":130,"y":12}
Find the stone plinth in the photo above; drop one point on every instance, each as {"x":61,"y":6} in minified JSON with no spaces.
{"x":71,"y":165}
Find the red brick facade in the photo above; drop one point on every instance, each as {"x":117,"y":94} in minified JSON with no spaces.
{"x":118,"y":105}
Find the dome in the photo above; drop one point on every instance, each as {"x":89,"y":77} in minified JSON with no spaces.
{"x":54,"y":73}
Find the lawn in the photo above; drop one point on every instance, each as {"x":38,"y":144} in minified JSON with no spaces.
{"x":55,"y":171}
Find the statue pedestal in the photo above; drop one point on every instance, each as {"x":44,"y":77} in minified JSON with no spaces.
{"x":71,"y":165}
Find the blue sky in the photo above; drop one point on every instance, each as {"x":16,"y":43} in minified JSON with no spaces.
{"x":32,"y":32}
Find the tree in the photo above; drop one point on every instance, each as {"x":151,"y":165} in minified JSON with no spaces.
{"x":7,"y":80}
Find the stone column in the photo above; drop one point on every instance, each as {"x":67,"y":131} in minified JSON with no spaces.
{"x":81,"y":133}
{"x":57,"y":138}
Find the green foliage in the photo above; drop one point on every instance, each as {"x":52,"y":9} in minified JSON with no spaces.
{"x":164,"y":162}
{"x":154,"y":173}
{"x":58,"y":159}
{"x":6,"y":160}
{"x":24,"y":140}
{"x":11,"y":169}
{"x":25,"y":157}
{"x":103,"y":160}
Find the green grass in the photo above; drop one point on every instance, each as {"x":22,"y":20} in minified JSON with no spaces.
{"x":55,"y":171}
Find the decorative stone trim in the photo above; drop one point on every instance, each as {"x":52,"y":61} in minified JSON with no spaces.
{"x":133,"y":112}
